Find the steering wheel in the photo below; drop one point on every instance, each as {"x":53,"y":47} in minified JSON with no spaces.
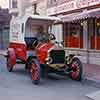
{"x":35,"y":43}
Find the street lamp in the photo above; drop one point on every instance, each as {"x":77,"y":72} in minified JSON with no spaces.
{"x":34,"y":6}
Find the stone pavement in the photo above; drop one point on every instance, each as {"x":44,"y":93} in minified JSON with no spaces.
{"x":94,"y":95}
{"x":92,"y":77}
{"x":92,"y":73}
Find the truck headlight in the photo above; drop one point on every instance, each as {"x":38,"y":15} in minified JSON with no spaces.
{"x":49,"y":60}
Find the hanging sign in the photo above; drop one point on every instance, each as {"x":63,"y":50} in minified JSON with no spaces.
{"x":71,"y":5}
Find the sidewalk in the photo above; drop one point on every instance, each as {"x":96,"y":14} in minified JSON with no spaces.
{"x":92,"y":77}
{"x":94,"y":95}
{"x":92,"y":72}
{"x":3,"y":52}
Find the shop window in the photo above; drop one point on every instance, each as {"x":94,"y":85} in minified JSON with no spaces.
{"x":73,"y":35}
{"x":98,"y":27}
{"x":98,"y":35}
{"x":98,"y":31}
{"x":14,"y":3}
{"x":22,"y":27}
{"x":52,"y":3}
{"x":9,"y":3}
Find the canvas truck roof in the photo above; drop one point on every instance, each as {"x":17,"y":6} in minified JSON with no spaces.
{"x":40,"y":19}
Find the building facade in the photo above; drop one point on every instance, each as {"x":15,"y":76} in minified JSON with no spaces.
{"x":4,"y":28}
{"x":80,"y":26}
{"x":80,"y":29}
{"x":20,"y":7}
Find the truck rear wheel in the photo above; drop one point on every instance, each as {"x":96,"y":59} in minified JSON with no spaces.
{"x":11,"y":59}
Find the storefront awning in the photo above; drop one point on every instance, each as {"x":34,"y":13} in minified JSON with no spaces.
{"x":83,"y":15}
{"x":69,"y":17}
{"x":95,"y":13}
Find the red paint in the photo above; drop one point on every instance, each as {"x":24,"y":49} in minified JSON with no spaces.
{"x":75,"y":71}
{"x":20,"y":50}
{"x":98,"y":43}
{"x":34,"y":73}
{"x":42,"y":51}
{"x":73,"y":42}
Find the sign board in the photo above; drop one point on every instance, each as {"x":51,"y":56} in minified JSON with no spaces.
{"x":86,"y":3}
{"x":15,"y":32}
{"x":71,"y":5}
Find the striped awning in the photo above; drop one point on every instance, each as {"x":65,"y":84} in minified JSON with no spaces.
{"x":83,"y":15}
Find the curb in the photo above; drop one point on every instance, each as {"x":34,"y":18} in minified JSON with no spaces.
{"x":3,"y":53}
{"x":91,"y":82}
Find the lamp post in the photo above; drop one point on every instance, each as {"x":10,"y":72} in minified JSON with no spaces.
{"x":34,"y":3}
{"x":34,"y":6}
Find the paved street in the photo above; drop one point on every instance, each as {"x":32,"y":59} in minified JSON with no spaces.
{"x":17,"y":86}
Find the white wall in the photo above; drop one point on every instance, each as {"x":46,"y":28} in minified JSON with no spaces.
{"x":23,"y":5}
{"x":42,"y":7}
{"x":58,"y":31}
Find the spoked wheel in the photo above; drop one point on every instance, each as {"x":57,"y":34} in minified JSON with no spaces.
{"x":9,"y":65}
{"x":76,"y":69}
{"x":35,"y":71}
{"x":11,"y":60}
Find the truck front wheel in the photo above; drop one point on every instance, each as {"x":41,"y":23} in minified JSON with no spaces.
{"x":76,"y":69}
{"x":35,"y":71}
